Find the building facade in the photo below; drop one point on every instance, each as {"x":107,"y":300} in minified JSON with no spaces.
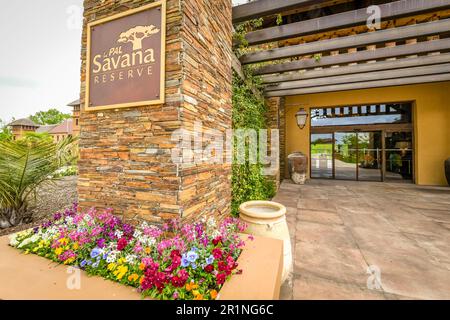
{"x":373,"y":84}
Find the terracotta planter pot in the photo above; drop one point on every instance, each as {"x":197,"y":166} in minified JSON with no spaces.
{"x":268,"y":219}
{"x":298,"y":167}
{"x":447,"y":170}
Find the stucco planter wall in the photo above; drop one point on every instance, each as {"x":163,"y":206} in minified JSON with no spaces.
{"x":447,"y":170}
{"x":31,"y":277}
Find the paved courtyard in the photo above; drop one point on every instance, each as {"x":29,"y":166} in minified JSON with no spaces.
{"x":346,"y":235}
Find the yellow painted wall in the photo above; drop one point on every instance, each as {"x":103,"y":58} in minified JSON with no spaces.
{"x":431,"y":122}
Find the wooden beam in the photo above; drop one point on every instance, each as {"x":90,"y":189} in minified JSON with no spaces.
{"x":401,"y":33}
{"x":370,"y":76}
{"x":359,"y":68}
{"x":341,"y":20}
{"x":361,"y":85}
{"x":382,"y":53}
{"x":261,"y":8}
{"x":237,"y":67}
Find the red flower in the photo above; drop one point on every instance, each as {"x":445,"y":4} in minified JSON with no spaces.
{"x":217,"y":253}
{"x":220,"y":278}
{"x":175,"y":253}
{"x":209,"y":268}
{"x":222,"y":266}
{"x":121,"y":244}
{"x":217,"y":240}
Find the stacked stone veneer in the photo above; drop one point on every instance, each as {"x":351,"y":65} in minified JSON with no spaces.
{"x":118,"y":167}
{"x":276,"y":120}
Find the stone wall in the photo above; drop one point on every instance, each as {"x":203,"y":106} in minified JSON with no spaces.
{"x":276,"y":120}
{"x":119,"y":167}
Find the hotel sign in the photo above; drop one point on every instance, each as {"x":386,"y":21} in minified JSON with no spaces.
{"x":126,"y":59}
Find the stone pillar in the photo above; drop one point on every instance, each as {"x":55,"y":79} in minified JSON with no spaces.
{"x":126,"y":153}
{"x":276,"y":120}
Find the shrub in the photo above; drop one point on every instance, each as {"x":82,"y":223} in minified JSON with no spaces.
{"x":249,"y":112}
{"x":25,"y":165}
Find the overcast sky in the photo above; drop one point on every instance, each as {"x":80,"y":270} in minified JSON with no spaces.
{"x":40,"y":55}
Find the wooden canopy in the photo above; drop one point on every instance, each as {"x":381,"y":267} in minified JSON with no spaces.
{"x":324,"y":46}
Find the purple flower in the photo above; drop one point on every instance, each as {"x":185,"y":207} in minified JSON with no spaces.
{"x":210,"y":259}
{"x":184,"y":261}
{"x":101,"y":243}
{"x":96,"y":252}
{"x":192,"y":256}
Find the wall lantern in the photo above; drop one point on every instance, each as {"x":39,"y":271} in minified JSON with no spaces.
{"x":301,"y":117}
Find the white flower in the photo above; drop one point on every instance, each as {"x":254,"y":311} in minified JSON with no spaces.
{"x":137,"y":233}
{"x":131,"y":258}
{"x":143,"y":225}
{"x":215,"y":233}
{"x":29,"y":240}
{"x":211,"y":223}
{"x":111,"y":258}
{"x":69,"y":220}
{"x":118,"y":234}
{"x":13,"y":240}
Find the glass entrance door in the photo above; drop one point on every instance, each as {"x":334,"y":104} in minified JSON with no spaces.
{"x":322,"y":155}
{"x":345,"y":155}
{"x":370,"y":155}
{"x":399,"y":156}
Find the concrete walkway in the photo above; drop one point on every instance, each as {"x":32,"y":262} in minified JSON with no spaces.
{"x":351,"y":237}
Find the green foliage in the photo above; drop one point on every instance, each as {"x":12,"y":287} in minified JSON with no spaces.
{"x":26,"y":164}
{"x":66,"y":172}
{"x":5,"y":132}
{"x":242,"y":29}
{"x":248,"y":183}
{"x":38,"y":136}
{"x":51,"y":116}
{"x":279,"y":19}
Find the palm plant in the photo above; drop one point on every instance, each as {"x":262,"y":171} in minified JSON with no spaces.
{"x":25,"y":165}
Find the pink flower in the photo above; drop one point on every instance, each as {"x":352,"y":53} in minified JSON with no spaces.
{"x":217,"y":253}
{"x":121,"y":244}
{"x":137,"y":248}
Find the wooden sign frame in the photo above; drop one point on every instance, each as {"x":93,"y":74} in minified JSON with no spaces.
{"x":161,"y":99}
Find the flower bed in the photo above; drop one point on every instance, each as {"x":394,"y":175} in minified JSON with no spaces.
{"x":189,"y":261}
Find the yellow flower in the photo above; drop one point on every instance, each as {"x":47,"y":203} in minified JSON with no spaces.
{"x":141,"y":279}
{"x":191,"y":286}
{"x":75,"y":246}
{"x":111,"y":266}
{"x":148,"y":250}
{"x":63,"y":241}
{"x":121,"y":261}
{"x":142,"y":266}
{"x":58,"y":251}
{"x":198,"y":297}
{"x":120,"y":272}
{"x":68,"y":261}
{"x":213,"y":294}
{"x":27,"y":251}
{"x":133,"y":277}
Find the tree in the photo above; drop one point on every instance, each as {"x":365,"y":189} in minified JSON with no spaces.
{"x":136,"y":35}
{"x":5,"y":132}
{"x":51,"y":116}
{"x":25,"y":165}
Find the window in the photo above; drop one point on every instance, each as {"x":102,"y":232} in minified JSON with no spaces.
{"x":361,"y":115}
